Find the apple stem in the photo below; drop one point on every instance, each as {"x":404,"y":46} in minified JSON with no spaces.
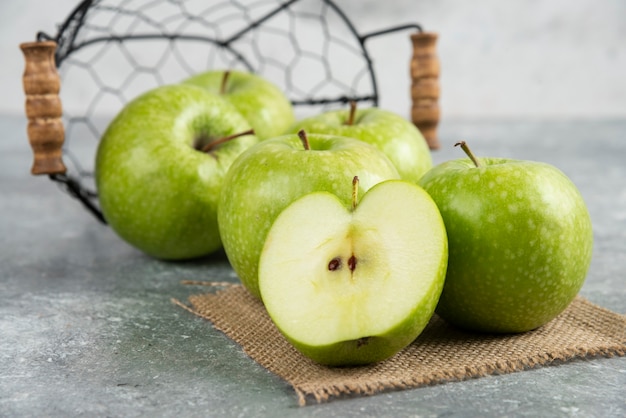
{"x":469,"y":153}
{"x":304,"y":139}
{"x":224,"y":82}
{"x":350,"y":120}
{"x":355,"y":191}
{"x":211,"y":145}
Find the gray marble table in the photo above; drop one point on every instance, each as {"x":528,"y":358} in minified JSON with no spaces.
{"x":87,"y":327}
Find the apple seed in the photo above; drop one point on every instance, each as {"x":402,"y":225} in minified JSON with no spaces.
{"x":352,"y":262}
{"x":334,"y":264}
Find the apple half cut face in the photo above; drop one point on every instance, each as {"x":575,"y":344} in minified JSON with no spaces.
{"x":351,"y":286}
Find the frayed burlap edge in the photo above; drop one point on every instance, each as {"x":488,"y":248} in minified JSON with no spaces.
{"x":440,"y":354}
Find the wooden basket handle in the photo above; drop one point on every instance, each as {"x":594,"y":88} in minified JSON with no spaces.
{"x":425,"y":86}
{"x":43,"y":107}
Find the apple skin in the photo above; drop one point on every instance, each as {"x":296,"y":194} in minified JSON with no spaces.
{"x":345,"y":318}
{"x":270,"y":175}
{"x":395,"y":136}
{"x":380,"y":347}
{"x":520,"y":242}
{"x":262,"y":103}
{"x":156,"y":191}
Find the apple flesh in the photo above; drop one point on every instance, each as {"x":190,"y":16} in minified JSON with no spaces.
{"x":520,"y":242}
{"x":157,"y":183}
{"x":354,"y":286}
{"x":395,"y":136}
{"x":275,"y":172}
{"x":262,"y":103}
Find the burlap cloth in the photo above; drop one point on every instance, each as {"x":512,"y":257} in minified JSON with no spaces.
{"x":440,"y":354}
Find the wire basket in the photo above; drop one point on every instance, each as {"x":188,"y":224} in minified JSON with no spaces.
{"x":109,"y":51}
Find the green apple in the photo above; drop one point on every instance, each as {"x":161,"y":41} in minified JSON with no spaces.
{"x":261,"y":102}
{"x":272,"y":174}
{"x":352,"y":285}
{"x":159,"y":169}
{"x":520,"y":242}
{"x":395,"y":136}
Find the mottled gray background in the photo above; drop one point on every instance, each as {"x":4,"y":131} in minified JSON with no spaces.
{"x":513,"y":59}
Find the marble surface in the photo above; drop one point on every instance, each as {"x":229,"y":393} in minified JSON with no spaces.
{"x":87,"y":327}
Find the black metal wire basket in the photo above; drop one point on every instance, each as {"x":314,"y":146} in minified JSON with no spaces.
{"x":109,"y":51}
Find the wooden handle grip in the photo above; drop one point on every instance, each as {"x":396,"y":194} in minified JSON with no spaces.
{"x":43,"y":107}
{"x":425,"y":86}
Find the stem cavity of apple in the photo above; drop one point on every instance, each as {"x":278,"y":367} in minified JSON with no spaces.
{"x":469,"y":153}
{"x":350,"y":120}
{"x":211,"y":145}
{"x":304,"y":139}
{"x":224,"y":82}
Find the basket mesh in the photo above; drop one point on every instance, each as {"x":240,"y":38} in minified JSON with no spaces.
{"x":110,"y":51}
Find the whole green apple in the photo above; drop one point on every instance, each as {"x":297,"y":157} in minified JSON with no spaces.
{"x":395,"y":136}
{"x":261,"y":102}
{"x":354,"y":285}
{"x":269,"y":176}
{"x":159,"y":169}
{"x":520,"y":242}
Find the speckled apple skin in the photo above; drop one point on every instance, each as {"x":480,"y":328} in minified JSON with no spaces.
{"x":520,"y":242}
{"x":262,"y":103}
{"x":156,"y":191}
{"x":394,"y":135}
{"x":272,"y":174}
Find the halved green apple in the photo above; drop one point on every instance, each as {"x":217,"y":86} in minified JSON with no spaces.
{"x":351,"y":286}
